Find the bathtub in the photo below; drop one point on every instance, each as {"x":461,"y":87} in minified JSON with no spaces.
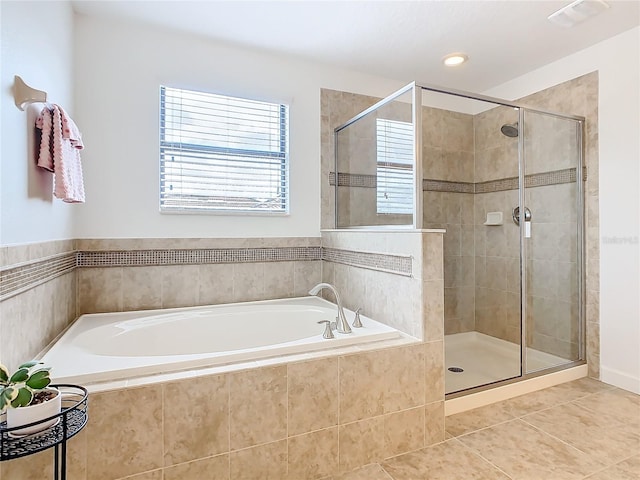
{"x":115,"y":346}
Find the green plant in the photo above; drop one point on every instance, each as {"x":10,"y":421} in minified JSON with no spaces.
{"x":19,"y":389}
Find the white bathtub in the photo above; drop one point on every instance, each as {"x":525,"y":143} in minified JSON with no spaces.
{"x":113,"y":346}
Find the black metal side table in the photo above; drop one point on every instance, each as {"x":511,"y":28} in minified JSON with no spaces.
{"x":71,"y":419}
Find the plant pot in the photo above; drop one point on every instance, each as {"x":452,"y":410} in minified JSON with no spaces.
{"x":34,"y":413}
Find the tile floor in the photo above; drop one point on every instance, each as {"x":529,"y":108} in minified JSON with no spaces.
{"x":583,"y":429}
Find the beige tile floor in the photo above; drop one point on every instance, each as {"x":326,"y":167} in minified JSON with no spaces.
{"x":583,"y":429}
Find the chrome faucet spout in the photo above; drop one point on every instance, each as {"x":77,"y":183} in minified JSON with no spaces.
{"x":342,"y":324}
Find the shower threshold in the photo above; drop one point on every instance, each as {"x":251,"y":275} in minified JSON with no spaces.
{"x":485,"y":359}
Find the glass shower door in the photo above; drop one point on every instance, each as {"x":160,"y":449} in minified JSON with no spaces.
{"x":470,"y":170}
{"x":552,"y":239}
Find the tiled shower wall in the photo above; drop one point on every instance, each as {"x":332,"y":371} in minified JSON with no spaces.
{"x":552,"y":286}
{"x":357,"y":160}
{"x":448,"y":156}
{"x":497,"y":248}
{"x":579,"y":97}
{"x":482,"y":262}
{"x":336,"y":109}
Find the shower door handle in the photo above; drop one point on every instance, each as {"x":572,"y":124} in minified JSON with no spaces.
{"x":516,"y":215}
{"x":527,"y":220}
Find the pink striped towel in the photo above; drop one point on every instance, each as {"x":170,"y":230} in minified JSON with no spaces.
{"x":60,"y":147}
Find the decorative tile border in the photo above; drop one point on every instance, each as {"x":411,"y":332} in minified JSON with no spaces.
{"x":500,"y":185}
{"x":568,"y":175}
{"x":544,"y":179}
{"x":444,"y":186}
{"x":16,"y":279}
{"x":399,"y":265}
{"x":148,"y":258}
{"x":353,"y":180}
{"x":555,"y":177}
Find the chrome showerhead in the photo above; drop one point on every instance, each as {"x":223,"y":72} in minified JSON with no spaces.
{"x":510,"y":129}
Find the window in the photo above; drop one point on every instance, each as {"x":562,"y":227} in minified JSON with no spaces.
{"x":394,"y":145}
{"x":220,"y":153}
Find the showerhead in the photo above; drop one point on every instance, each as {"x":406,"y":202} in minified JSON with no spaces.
{"x":510,"y":129}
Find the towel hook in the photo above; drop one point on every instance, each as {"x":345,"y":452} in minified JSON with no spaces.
{"x":23,"y":93}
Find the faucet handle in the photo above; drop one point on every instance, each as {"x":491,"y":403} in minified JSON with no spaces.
{"x":356,"y":320}
{"x":327,"y":329}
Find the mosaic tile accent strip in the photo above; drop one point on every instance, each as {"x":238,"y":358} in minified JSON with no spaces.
{"x":353,"y":180}
{"x":556,"y":177}
{"x":16,"y":279}
{"x":132,"y":258}
{"x":500,"y":185}
{"x":396,"y":264}
{"x":445,"y":186}
{"x":429,"y":185}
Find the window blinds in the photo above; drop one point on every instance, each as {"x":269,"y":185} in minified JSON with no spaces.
{"x":394,"y":145}
{"x":221,"y":153}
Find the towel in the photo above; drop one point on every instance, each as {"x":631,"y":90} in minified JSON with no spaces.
{"x":60,"y":146}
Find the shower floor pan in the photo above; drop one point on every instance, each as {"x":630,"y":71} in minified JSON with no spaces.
{"x":485,"y":359}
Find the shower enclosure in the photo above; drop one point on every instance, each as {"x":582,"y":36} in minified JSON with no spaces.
{"x":505,"y":182}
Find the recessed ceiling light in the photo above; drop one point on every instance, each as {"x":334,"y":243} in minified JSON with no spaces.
{"x":455,"y":59}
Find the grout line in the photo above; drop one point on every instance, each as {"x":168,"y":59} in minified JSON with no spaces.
{"x":163,"y":389}
{"x":481,"y":429}
{"x":338,"y":362}
{"x":479,"y":455}
{"x":544,"y":432}
{"x":228,"y":382}
{"x":385,"y":471}
{"x":286,"y":382}
{"x":611,"y":466}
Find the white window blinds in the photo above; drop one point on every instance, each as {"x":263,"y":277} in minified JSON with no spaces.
{"x":394,"y":142}
{"x":220,"y":153}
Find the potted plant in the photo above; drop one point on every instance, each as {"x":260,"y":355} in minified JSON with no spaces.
{"x":26,"y":399}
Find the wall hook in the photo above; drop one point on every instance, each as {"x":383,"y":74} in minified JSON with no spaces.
{"x":24,"y":94}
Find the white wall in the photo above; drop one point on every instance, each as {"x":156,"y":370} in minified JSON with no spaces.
{"x":44,"y":60}
{"x":119,"y":68}
{"x":618,"y":63}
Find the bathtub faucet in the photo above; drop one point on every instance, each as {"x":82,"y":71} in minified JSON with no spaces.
{"x":341,"y":324}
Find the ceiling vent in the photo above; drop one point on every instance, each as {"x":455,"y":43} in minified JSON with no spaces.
{"x":577,"y":12}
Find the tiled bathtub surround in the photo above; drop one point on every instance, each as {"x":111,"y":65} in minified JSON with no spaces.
{"x":46,"y":286}
{"x":43,"y":303}
{"x":113,"y":280}
{"x":412,"y":304}
{"x":44,"y":290}
{"x":164,"y":273}
{"x":301,"y":420}
{"x":259,"y":420}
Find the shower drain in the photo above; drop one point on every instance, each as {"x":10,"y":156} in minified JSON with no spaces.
{"x":456,"y":369}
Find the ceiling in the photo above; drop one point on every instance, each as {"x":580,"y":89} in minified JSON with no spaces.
{"x":402,"y":40}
